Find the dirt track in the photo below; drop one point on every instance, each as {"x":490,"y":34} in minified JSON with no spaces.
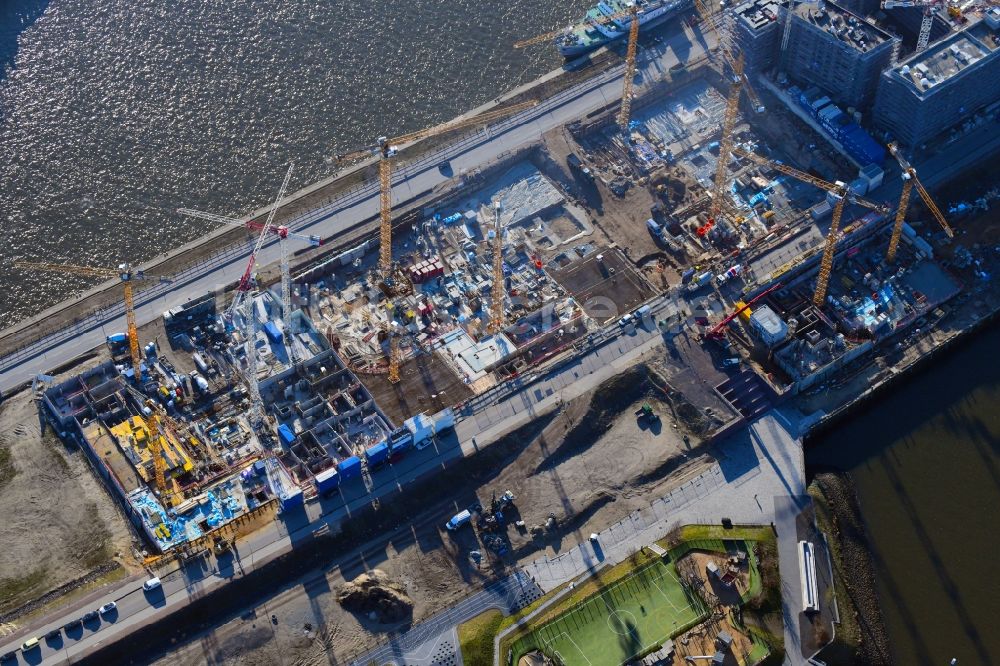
{"x":57,"y":520}
{"x":579,"y":468}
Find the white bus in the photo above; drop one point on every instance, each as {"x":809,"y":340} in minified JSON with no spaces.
{"x":807,"y":577}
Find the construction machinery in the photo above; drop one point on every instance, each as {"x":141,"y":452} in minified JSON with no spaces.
{"x":738,"y":83}
{"x":283,"y":233}
{"x":153,"y":421}
{"x":496,"y":306}
{"x":625,"y":113}
{"x":910,"y":181}
{"x":926,"y":21}
{"x":646,"y":413}
{"x":128,"y":275}
{"x":386,"y":149}
{"x":842,"y":194}
{"x":717,"y":331}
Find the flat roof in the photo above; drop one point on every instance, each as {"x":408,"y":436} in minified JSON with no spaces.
{"x":948,"y":57}
{"x":845,"y":25}
{"x":757,"y":14}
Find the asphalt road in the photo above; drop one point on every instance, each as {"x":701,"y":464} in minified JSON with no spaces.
{"x":358,"y":207}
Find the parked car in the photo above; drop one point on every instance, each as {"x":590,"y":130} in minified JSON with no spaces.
{"x":151,"y":584}
{"x":731,"y":362}
{"x":72,"y":623}
{"x":89,"y":616}
{"x":107,"y":608}
{"x":29,"y":645}
{"x":8,"y":656}
{"x":54,"y":633}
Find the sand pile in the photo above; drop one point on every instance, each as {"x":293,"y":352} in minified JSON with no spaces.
{"x":376,"y":595}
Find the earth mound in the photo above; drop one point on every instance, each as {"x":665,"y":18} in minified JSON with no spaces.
{"x":377,"y":596}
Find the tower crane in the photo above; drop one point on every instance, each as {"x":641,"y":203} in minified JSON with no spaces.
{"x":625,"y":113}
{"x":155,"y":442}
{"x":926,"y":21}
{"x":127,"y":274}
{"x":910,"y":181}
{"x":284,"y":234}
{"x":496,"y":306}
{"x":842,"y":193}
{"x":245,"y":286}
{"x":739,"y":83}
{"x":386,"y":149}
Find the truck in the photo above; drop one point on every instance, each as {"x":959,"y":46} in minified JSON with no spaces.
{"x":700,"y":281}
{"x":117,"y":342}
{"x":655,"y":229}
{"x":577,"y":165}
{"x":458,"y":520}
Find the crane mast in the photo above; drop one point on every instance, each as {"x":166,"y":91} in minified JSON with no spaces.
{"x":897,"y":227}
{"x":127,"y":275}
{"x":624,"y":114}
{"x":496,"y":319}
{"x":826,"y":263}
{"x":910,"y":181}
{"x":726,"y":141}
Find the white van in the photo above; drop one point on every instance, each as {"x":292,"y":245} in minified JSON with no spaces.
{"x":151,"y":584}
{"x":458,"y":520}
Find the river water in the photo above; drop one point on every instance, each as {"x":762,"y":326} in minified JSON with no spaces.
{"x":113,"y":113}
{"x":926,"y":463}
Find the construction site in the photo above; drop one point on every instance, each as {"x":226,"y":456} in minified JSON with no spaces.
{"x":786,"y":244}
{"x":282,"y":394}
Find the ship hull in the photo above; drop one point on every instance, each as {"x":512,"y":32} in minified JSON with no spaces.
{"x":652,"y":17}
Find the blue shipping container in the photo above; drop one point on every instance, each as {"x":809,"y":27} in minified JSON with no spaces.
{"x":286,"y":434}
{"x":377,"y":454}
{"x":328,"y":480}
{"x":293,"y":499}
{"x":349,"y":468}
{"x":862,"y":146}
{"x":272,"y":331}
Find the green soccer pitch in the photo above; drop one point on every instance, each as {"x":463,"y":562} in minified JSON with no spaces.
{"x":620,"y":621}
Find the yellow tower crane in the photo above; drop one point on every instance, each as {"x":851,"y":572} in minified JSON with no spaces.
{"x":842,"y":193}
{"x":387,"y":148}
{"x":127,"y":274}
{"x":739,"y":83}
{"x":155,"y":441}
{"x":625,"y":113}
{"x":726,"y":141}
{"x":910,"y":181}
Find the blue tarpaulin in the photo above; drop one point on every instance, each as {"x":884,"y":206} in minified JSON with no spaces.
{"x":272,"y":331}
{"x":286,"y":434}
